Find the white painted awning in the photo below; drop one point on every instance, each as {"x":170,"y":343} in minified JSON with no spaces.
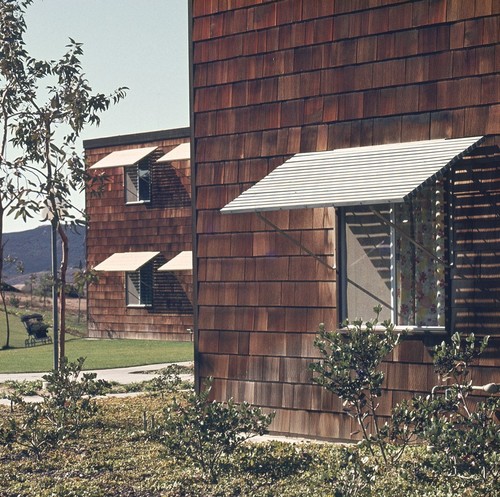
{"x":181,"y":152}
{"x":181,"y":262}
{"x":352,"y":176}
{"x":124,"y":158}
{"x":126,"y":261}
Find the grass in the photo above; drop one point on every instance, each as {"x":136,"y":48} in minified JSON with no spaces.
{"x":99,"y":354}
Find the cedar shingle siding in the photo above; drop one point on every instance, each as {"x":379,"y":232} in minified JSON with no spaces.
{"x":274,"y":78}
{"x":164,"y":225}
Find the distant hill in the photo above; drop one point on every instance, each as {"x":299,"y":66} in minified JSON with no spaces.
{"x":32,"y":247}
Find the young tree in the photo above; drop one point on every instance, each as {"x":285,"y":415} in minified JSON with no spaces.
{"x":31,"y":282}
{"x":81,"y":279}
{"x":45,"y":284}
{"x":13,"y":77}
{"x":19,"y":267}
{"x":56,"y":103}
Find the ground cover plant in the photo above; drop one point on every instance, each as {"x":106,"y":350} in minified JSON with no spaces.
{"x":121,"y":450}
{"x":115,"y":456}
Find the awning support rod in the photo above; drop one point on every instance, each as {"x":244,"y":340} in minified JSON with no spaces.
{"x":294,"y":241}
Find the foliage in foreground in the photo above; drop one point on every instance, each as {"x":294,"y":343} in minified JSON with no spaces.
{"x":207,"y":432}
{"x":107,"y":447}
{"x":462,"y":434}
{"x":114,"y":456}
{"x":65,"y":409}
{"x":350,"y":368}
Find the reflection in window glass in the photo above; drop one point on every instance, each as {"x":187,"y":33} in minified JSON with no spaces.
{"x":368,"y":261}
{"x":138,"y":183}
{"x":139,"y":286}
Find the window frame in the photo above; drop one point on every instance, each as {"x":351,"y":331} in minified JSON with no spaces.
{"x":343,"y":269}
{"x":132,"y":185}
{"x":145,"y":276}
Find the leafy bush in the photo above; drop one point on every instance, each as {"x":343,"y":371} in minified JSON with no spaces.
{"x":65,"y":408}
{"x":113,"y":457}
{"x":208,"y":432}
{"x":463,"y":435}
{"x":24,"y":387}
{"x":68,"y":402}
{"x":168,"y":380}
{"x":14,"y":301}
{"x":276,"y":460}
{"x":349,"y":368}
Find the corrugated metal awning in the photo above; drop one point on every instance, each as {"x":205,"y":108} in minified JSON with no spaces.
{"x":181,"y":262}
{"x":126,"y":261}
{"x":352,"y":176}
{"x":124,"y":158}
{"x":181,"y":152}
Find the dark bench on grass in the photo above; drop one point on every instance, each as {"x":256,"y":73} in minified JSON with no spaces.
{"x":37,"y":330}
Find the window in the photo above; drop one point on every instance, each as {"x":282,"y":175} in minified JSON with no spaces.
{"x":139,"y":287}
{"x":393,"y":255}
{"x":138,"y":182}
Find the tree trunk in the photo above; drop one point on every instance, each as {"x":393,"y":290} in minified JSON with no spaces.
{"x":79,"y":307}
{"x":7,"y":323}
{"x":62,"y":294}
{"x":2,"y":293}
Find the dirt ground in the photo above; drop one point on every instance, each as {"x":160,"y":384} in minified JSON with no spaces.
{"x":36,"y":302}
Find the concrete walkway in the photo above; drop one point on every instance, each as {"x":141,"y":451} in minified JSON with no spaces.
{"x":123,"y":376}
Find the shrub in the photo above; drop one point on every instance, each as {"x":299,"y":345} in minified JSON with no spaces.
{"x":168,"y":380}
{"x":24,"y":387}
{"x":14,"y":301}
{"x":65,"y":408}
{"x":274,"y":459}
{"x":207,"y":432}
{"x":463,"y":435}
{"x":68,"y":402}
{"x":349,"y":368}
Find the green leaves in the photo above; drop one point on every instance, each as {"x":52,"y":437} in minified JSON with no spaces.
{"x":452,"y":359}
{"x":45,"y":105}
{"x":463,"y":436}
{"x":350,"y":368}
{"x":65,"y":409}
{"x":207,"y":432}
{"x":351,"y":358}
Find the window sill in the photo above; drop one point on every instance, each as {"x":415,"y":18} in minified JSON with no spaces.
{"x":139,"y":306}
{"x":138,"y":202}
{"x":420,"y":330}
{"x":411,"y":330}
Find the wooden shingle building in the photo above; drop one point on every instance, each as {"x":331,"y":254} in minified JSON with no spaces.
{"x":346,"y":154}
{"x":139,"y":236}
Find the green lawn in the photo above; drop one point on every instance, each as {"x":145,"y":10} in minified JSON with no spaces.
{"x":99,"y":354}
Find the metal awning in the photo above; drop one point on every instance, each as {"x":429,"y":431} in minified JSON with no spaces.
{"x":126,"y":261}
{"x":181,"y":262}
{"x":124,"y":158}
{"x":352,"y":176}
{"x":181,"y":152}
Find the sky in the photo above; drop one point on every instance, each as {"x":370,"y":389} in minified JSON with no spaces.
{"x":140,"y":44}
